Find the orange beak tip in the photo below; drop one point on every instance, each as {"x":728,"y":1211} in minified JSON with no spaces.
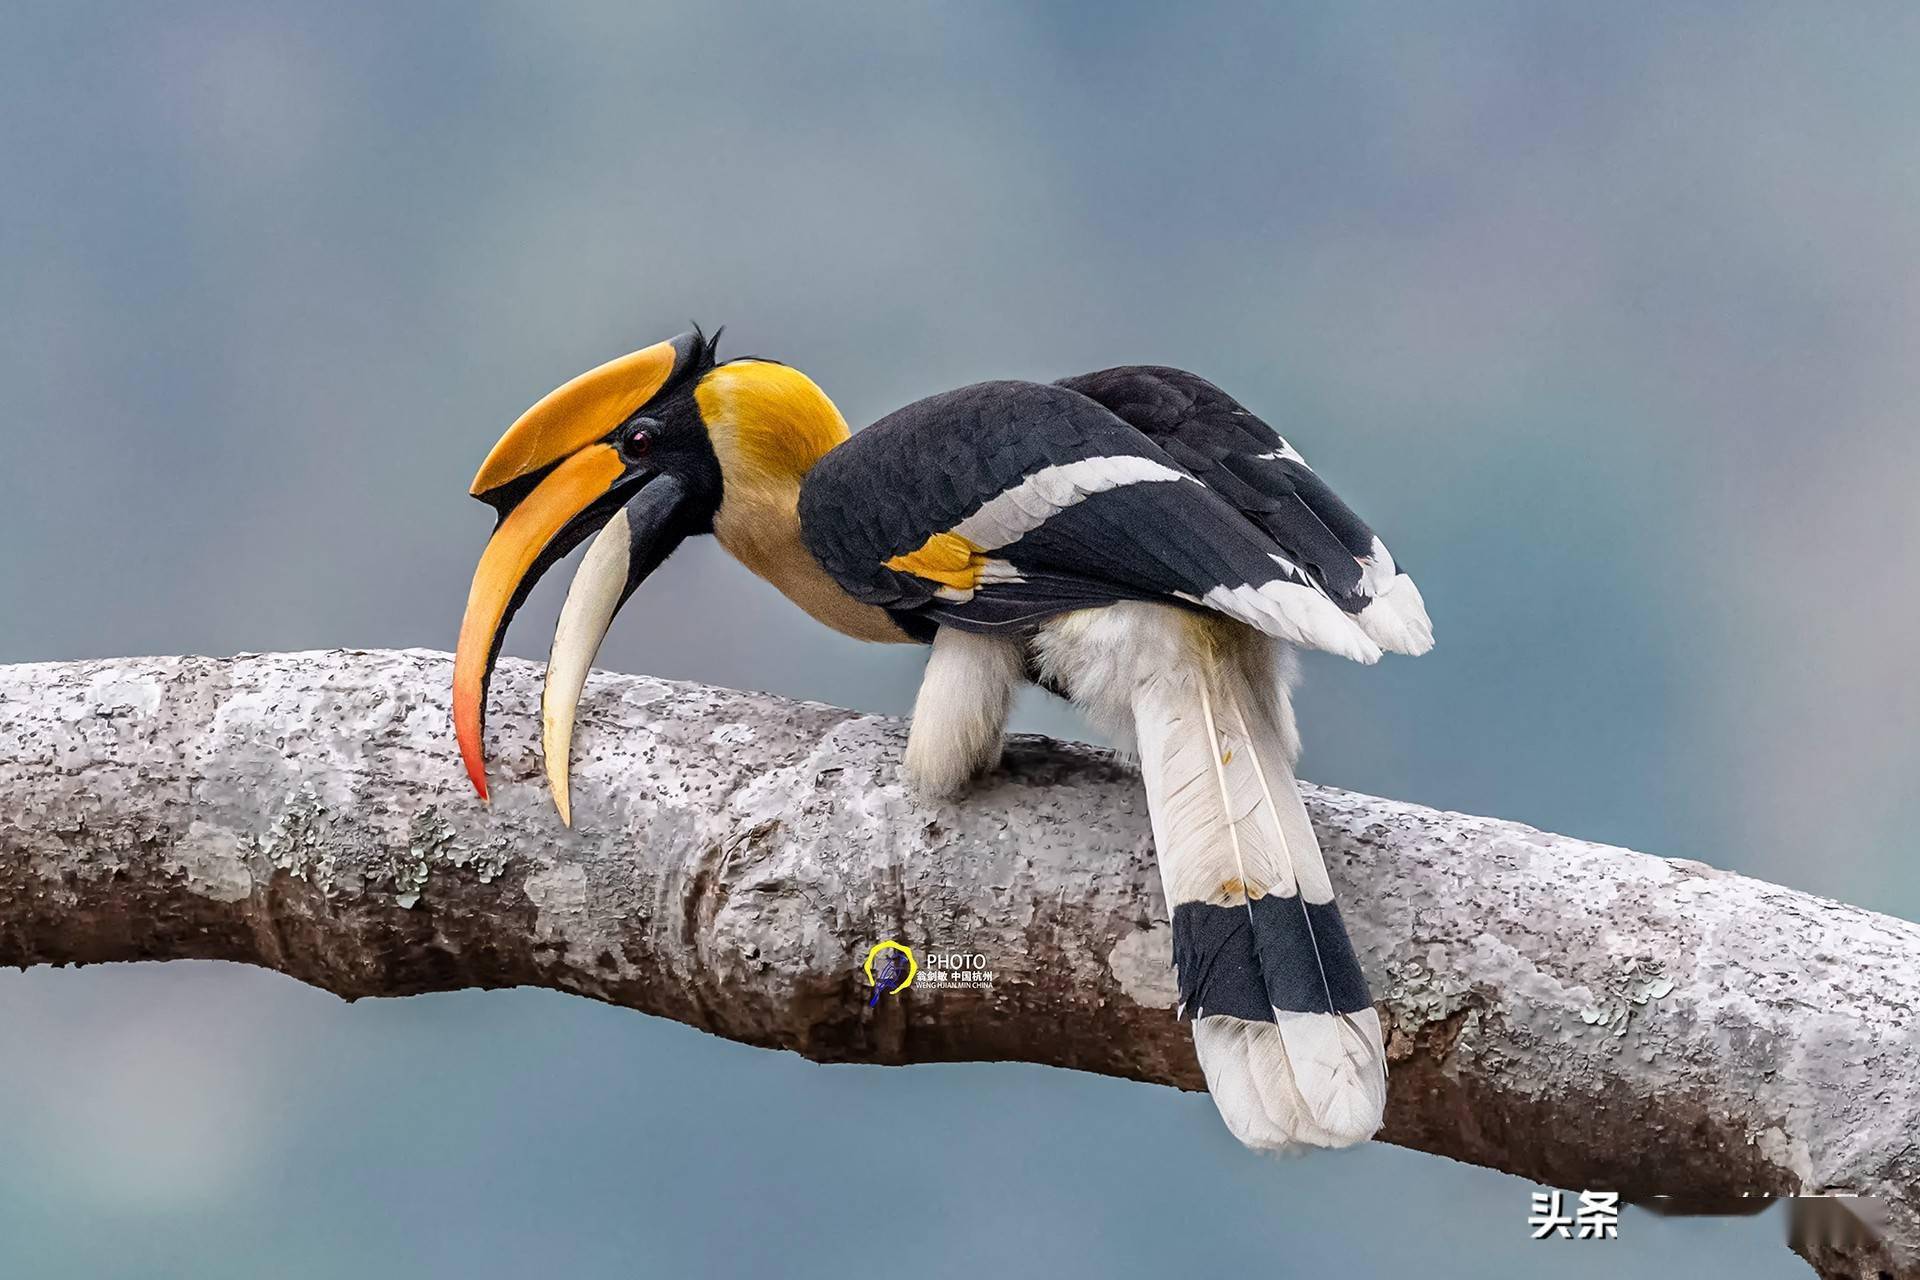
{"x":476,"y":768}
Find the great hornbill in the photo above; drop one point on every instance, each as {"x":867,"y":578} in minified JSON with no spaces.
{"x":1133,"y":539}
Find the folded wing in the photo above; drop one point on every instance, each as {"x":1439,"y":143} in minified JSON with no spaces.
{"x":1247,"y":462}
{"x":1009,"y":502}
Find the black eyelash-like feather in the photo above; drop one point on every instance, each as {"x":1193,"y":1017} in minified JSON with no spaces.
{"x":709,"y":347}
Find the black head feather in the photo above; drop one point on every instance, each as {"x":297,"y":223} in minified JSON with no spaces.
{"x":707,"y":350}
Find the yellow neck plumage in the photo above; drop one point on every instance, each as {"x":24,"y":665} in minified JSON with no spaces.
{"x":769,"y":425}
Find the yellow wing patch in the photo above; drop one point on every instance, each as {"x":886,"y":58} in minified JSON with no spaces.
{"x":945,"y":558}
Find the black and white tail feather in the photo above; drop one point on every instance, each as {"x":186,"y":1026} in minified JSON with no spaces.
{"x":1140,"y":541}
{"x":1282,"y":1021}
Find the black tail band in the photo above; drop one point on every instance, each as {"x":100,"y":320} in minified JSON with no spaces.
{"x":1246,"y":960}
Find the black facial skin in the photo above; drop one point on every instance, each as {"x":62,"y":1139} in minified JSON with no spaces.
{"x":667,"y":437}
{"x":659,"y":519}
{"x":636,"y":442}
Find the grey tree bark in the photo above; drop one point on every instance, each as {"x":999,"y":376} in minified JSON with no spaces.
{"x":1580,"y":1015}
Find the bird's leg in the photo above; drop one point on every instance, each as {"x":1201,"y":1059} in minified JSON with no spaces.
{"x":960,"y":717}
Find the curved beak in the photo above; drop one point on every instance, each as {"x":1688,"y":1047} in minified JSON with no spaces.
{"x":633,"y":544}
{"x":544,"y":526}
{"x":556,"y":480}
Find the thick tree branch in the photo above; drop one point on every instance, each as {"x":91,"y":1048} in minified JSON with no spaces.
{"x":1582,"y":1015}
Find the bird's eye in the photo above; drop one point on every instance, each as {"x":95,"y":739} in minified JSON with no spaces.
{"x":638,"y":441}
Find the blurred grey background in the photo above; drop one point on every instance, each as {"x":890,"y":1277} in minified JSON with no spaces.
{"x":1607,"y":320}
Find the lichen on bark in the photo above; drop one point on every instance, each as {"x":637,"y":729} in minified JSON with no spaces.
{"x":1667,"y":1029}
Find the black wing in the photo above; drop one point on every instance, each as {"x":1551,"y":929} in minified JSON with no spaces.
{"x":1001,"y":504}
{"x":1247,"y":462}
